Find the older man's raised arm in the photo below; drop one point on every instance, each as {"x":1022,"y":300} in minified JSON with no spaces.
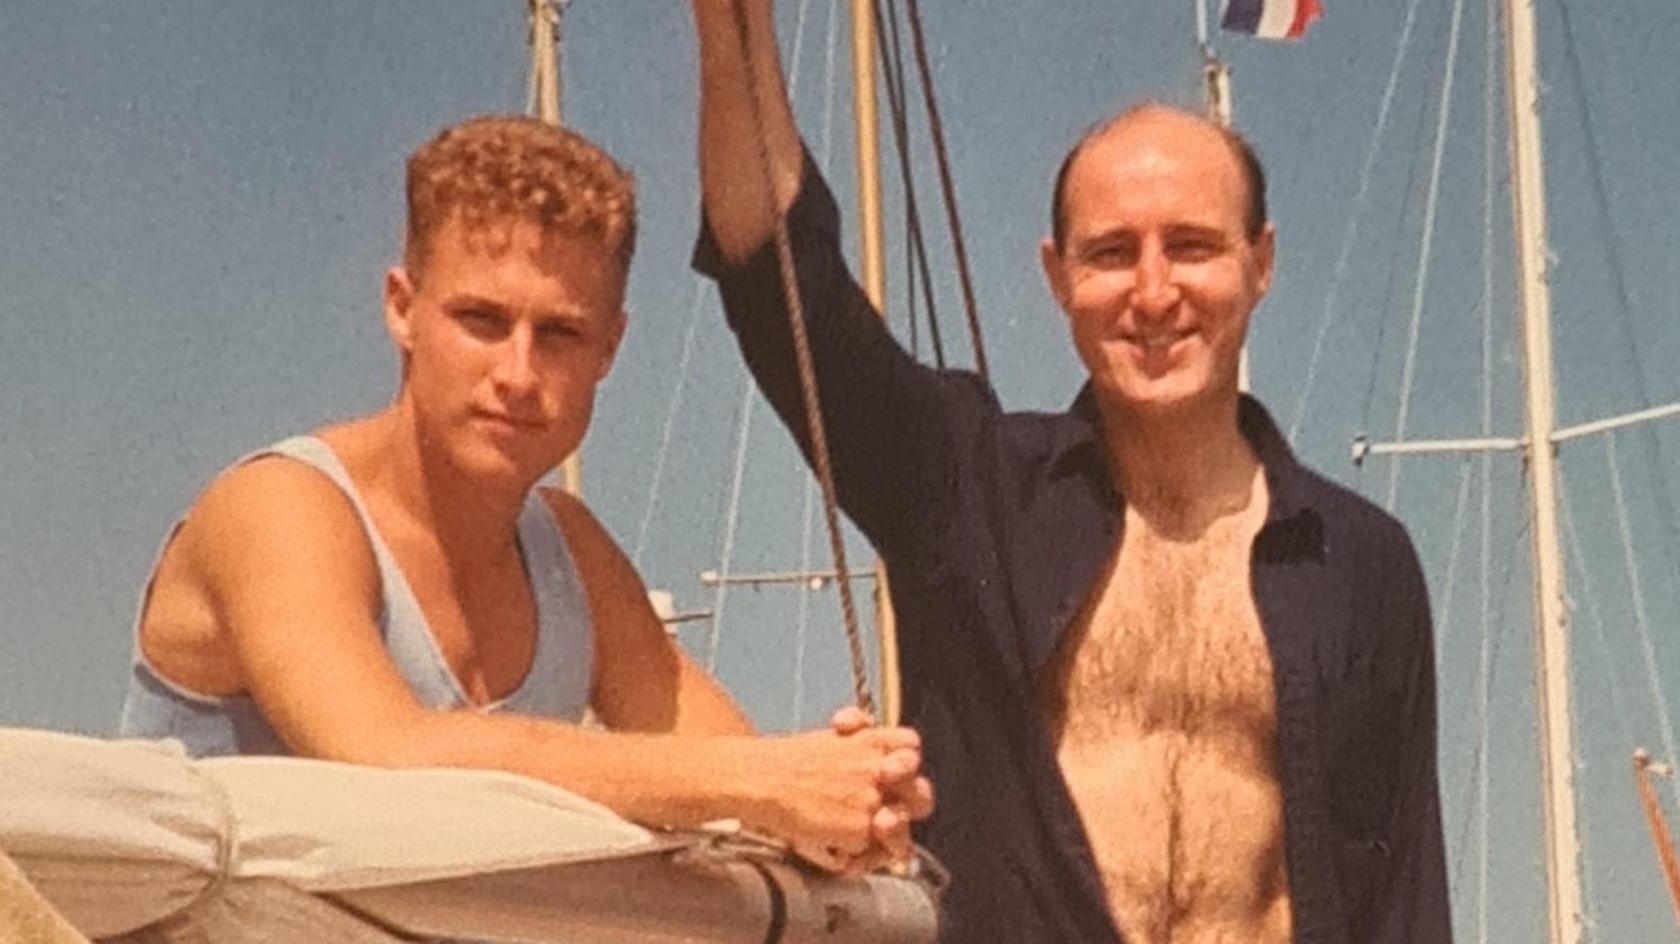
{"x":745,"y":119}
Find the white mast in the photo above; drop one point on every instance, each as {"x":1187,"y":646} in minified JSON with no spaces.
{"x":545,"y":105}
{"x":1563,"y":860}
{"x":1216,"y":99}
{"x":866,"y":115}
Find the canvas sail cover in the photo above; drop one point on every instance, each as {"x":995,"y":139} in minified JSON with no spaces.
{"x":26,"y":917}
{"x":134,"y":836}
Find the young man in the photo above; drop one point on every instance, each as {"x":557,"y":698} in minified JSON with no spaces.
{"x":394,"y":590}
{"x":1173,"y":686}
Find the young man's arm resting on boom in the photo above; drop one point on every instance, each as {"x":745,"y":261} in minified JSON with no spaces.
{"x":283,"y":559}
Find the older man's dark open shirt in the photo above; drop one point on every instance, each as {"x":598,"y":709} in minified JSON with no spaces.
{"x":995,"y":527}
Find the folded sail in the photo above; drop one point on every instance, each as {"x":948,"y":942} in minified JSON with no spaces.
{"x":119,"y":837}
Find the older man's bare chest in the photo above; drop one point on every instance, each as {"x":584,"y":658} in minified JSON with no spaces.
{"x":1164,"y":717}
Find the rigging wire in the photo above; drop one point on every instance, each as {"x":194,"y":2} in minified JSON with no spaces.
{"x":1656,"y":468}
{"x":1484,"y":687}
{"x":1573,"y":549}
{"x":1593,"y":608}
{"x":1493,"y":638}
{"x":919,"y":271}
{"x":1388,"y":294}
{"x":1653,"y":677}
{"x":802,"y":619}
{"x":731,"y":518}
{"x":1425,"y":249}
{"x":816,"y":432}
{"x":662,"y":453}
{"x":948,"y":188}
{"x":1443,"y":624}
{"x":1349,"y":237}
{"x":1489,"y":124}
{"x":887,"y":31}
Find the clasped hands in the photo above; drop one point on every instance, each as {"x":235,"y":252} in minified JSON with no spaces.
{"x":852,"y":794}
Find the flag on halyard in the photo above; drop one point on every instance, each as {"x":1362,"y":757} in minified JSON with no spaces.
{"x":1271,"y":19}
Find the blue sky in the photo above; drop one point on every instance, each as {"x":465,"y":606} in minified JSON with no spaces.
{"x":197,"y":201}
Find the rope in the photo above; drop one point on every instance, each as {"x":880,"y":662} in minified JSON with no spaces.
{"x":815,"y":430}
{"x":1408,"y":372}
{"x":948,"y":188}
{"x":915,"y":246}
{"x":662,"y":454}
{"x":1653,"y":677}
{"x":1349,"y":240}
{"x":743,"y":434}
{"x":802,"y":620}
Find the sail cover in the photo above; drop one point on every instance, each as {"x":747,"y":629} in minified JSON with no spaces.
{"x":26,"y":917}
{"x":134,"y":836}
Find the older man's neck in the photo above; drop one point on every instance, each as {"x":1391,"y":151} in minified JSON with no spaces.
{"x":1182,"y":470}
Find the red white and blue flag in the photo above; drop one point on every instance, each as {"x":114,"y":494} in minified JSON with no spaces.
{"x":1271,"y":19}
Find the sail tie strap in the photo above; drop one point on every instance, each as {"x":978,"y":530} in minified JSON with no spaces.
{"x":227,"y":842}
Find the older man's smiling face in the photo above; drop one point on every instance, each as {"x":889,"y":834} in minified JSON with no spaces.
{"x":1157,"y":273}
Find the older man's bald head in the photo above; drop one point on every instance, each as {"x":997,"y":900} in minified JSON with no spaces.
{"x":1247,"y":162}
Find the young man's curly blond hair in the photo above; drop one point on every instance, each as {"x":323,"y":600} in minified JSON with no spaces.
{"x":497,"y":169}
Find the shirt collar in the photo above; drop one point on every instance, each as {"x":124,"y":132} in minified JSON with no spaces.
{"x":1079,"y":447}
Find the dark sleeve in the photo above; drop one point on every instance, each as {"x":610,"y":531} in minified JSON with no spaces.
{"x":1412,"y":907}
{"x":896,"y":429}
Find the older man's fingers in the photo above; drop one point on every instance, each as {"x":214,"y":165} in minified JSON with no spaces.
{"x":850,"y":720}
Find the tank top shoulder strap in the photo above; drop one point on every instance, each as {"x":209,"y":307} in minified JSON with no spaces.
{"x":312,"y":451}
{"x":402,"y":624}
{"x":562,"y":666}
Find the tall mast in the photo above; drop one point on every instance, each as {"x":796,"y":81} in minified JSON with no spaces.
{"x":866,"y":115}
{"x":1216,"y":75}
{"x":545,"y":21}
{"x":1216,"y":100}
{"x":1563,"y":860}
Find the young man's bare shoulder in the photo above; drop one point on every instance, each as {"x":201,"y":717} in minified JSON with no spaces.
{"x":265,"y":485}
{"x":273,"y":489}
{"x":277,"y":503}
{"x":270,"y":528}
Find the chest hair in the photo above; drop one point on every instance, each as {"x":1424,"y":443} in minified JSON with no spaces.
{"x":1161,"y":704}
{"x":1168,"y":642}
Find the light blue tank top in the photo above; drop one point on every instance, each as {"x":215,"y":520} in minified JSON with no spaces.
{"x":557,"y":685}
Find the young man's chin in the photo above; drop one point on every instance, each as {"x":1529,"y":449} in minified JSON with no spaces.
{"x":494,"y":465}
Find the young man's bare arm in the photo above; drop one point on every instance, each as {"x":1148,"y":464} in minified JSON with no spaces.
{"x":644,"y":681}
{"x":287,"y":568}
